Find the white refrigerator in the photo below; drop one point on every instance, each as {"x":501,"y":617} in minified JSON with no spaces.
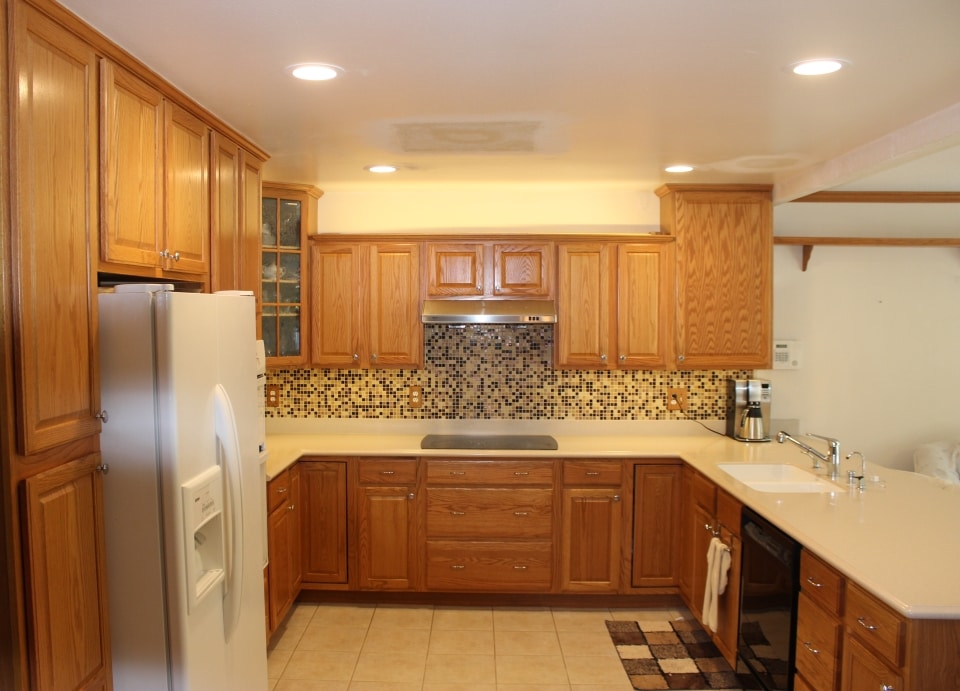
{"x":183,"y":502}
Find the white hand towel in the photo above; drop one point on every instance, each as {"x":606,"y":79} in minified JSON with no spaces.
{"x":725,"y":558}
{"x":710,"y":589}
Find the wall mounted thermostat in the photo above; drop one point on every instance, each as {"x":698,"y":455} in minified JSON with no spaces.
{"x":787,"y":354}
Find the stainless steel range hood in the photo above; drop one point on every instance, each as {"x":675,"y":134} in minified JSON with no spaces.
{"x":489,"y":312}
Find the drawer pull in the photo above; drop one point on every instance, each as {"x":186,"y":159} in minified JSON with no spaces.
{"x":887,"y":687}
{"x":520,"y":473}
{"x":521,"y":514}
{"x":388,"y":472}
{"x":282,"y":490}
{"x":520,"y":567}
{"x":863,"y":622}
{"x":457,"y":472}
{"x":592,"y":473}
{"x":808,"y":646}
{"x":458,"y":513}
{"x":813,"y":582}
{"x":457,"y":566}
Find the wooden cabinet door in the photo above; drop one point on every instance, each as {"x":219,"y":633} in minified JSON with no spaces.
{"x":187,"y":192}
{"x":656,"y":510}
{"x":54,"y":233}
{"x":250,"y":229}
{"x":586,"y":313}
{"x":335,"y":300}
{"x":394,"y":331}
{"x":386,"y":537}
{"x":523,"y":270}
{"x":863,"y":671}
{"x":279,"y":550}
{"x":455,"y":269}
{"x":724,"y":274}
{"x":590,"y":540}
{"x":65,"y":581}
{"x":644,"y":305}
{"x":131,"y":123}
{"x":225,"y":220}
{"x":702,"y":522}
{"x":323,"y":487}
{"x":728,"y":604}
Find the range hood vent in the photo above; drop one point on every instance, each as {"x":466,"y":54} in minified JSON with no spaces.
{"x":489,"y":312}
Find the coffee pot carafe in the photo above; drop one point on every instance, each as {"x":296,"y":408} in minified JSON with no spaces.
{"x":751,"y":423}
{"x":748,"y":409}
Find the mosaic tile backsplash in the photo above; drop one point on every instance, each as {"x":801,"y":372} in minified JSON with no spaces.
{"x":495,"y":372}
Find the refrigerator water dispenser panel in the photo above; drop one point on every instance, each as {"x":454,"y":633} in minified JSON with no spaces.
{"x":203,"y":534}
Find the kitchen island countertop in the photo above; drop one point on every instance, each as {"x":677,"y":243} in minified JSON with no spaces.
{"x":898,"y":538}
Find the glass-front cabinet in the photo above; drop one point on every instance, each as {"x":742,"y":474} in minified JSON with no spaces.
{"x":289,"y":216}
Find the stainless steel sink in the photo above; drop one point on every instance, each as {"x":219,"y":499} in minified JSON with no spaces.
{"x":488,"y":442}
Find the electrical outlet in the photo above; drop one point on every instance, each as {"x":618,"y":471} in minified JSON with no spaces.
{"x":416,"y":396}
{"x":677,"y":399}
{"x":273,"y":395}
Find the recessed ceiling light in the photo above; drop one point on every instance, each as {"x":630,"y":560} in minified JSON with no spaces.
{"x":680,"y":168}
{"x":813,"y":68}
{"x":315,"y":71}
{"x":381,"y":168}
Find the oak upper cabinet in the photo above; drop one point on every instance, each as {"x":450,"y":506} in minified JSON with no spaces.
{"x":323,"y":494}
{"x":489,"y":269}
{"x":614,"y":305}
{"x":724,"y":246}
{"x":366,"y":304}
{"x":53,"y":239}
{"x":65,"y":580}
{"x":386,"y":523}
{"x":591,"y":526}
{"x":289,"y":217}
{"x":187,"y":192}
{"x":656,"y":513}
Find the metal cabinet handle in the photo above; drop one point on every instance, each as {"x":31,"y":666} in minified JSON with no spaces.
{"x":411,"y":495}
{"x":282,"y":490}
{"x":887,"y":687}
{"x":813,"y":582}
{"x":521,"y":514}
{"x":457,"y":472}
{"x":102,"y":416}
{"x":603,"y":357}
{"x":356,"y":356}
{"x":458,"y":513}
{"x":863,"y":622}
{"x":592,"y":473}
{"x":291,"y":507}
{"x":623,"y":358}
{"x":616,"y":497}
{"x":808,"y":646}
{"x":388,"y":472}
{"x":519,"y":567}
{"x":373,"y":356}
{"x":521,"y":473}
{"x":103,"y":468}
{"x":457,"y":566}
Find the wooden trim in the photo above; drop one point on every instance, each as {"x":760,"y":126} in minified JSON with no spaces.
{"x":882,"y":197}
{"x":807,"y":243}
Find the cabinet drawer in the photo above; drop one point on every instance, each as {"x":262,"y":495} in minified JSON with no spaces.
{"x":387,"y":472}
{"x":875,"y":624}
{"x":579,"y":473}
{"x":488,"y":566}
{"x":818,"y":645}
{"x":821,"y":583}
{"x":703,"y":492}
{"x":488,"y":512}
{"x":728,"y":512}
{"x":278,"y":491}
{"x":495,"y":472}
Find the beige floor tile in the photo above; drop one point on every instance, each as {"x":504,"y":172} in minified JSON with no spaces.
{"x":288,"y":637}
{"x":383,"y":686}
{"x":624,"y":686}
{"x":596,"y":670}
{"x":461,"y":642}
{"x":526,"y":643}
{"x":276,"y":662}
{"x":430,"y":686}
{"x":395,"y":640}
{"x":315,"y":665}
{"x":400,"y":617}
{"x":332,"y":639}
{"x":581,"y":619}
{"x":355,"y":616}
{"x":531,"y":669}
{"x":586,"y":643}
{"x":271,"y":684}
{"x":301,"y":613}
{"x":461,"y":669}
{"x":533,"y":687}
{"x":307,"y":685}
{"x":463,"y":618}
{"x":508,"y":619}
{"x":390,"y":667}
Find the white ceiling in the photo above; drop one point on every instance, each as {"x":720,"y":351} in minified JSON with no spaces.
{"x":590,"y":91}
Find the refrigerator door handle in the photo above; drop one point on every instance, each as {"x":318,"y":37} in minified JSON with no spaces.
{"x":229,"y":445}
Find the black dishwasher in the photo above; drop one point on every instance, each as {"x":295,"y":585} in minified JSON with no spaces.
{"x":768,"y":604}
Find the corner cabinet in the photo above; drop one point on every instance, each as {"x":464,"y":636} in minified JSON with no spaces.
{"x":289,"y":216}
{"x":724,"y":250}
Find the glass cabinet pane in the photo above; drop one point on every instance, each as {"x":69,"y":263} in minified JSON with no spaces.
{"x":269,"y":222}
{"x":289,"y":223}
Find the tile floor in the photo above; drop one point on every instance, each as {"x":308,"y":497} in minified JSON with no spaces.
{"x":396,"y":648}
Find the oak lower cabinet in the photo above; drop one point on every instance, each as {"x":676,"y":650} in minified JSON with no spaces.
{"x":656,"y":531}
{"x":365,"y":304}
{"x":283,"y":544}
{"x":385,"y":523}
{"x":489,"y":525}
{"x":819,"y":627}
{"x":591,"y":525}
{"x":724,"y":280}
{"x":65,"y":580}
{"x":324,"y":521}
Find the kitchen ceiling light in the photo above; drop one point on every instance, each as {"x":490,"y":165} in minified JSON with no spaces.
{"x":382,"y":168}
{"x":315,"y":71}
{"x":813,"y":68}
{"x":680,"y":168}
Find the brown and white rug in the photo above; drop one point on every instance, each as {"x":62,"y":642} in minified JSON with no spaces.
{"x":673,"y":654}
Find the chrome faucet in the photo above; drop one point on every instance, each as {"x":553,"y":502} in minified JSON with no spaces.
{"x":832,"y":456}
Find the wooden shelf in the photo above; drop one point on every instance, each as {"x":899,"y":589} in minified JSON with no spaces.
{"x":807,"y":243}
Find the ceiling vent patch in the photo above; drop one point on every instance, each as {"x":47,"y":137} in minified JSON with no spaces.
{"x":467,"y":137}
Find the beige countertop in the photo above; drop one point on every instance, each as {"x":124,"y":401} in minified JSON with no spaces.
{"x":898,"y":538}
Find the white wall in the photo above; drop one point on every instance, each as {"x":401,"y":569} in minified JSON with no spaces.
{"x":880,"y":329}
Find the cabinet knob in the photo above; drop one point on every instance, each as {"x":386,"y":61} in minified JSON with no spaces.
{"x":603,"y":357}
{"x":681,"y":358}
{"x":291,"y":507}
{"x":356,"y":356}
{"x":616,"y":497}
{"x":103,"y":416}
{"x":411,"y":495}
{"x":373,"y":356}
{"x":103,"y":468}
{"x":623,"y":358}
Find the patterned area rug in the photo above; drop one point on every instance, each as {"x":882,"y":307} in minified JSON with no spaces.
{"x":674,"y":654}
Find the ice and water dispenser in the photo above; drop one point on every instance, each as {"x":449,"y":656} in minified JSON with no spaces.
{"x":203,"y":534}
